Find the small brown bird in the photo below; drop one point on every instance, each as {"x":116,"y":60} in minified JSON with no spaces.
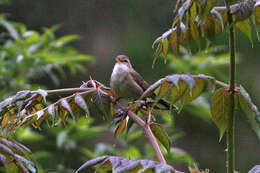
{"x":126,"y":83}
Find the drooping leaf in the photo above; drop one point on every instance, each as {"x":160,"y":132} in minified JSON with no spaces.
{"x":120,"y":128}
{"x":174,"y":42}
{"x":165,"y":43}
{"x":209,"y":27}
{"x":81,"y":103}
{"x":245,"y":27}
{"x":196,"y":91}
{"x":64,"y":103}
{"x":120,"y":165}
{"x":250,"y":110}
{"x":220,"y":109}
{"x":161,"y":135}
{"x":15,"y":156}
{"x":10,"y":28}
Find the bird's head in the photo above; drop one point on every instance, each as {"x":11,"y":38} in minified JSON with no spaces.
{"x":123,"y":59}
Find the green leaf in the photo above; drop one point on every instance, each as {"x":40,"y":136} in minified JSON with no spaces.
{"x":164,"y":88}
{"x":180,"y":156}
{"x":245,"y":27}
{"x":196,"y":91}
{"x":158,"y":51}
{"x":220,"y":109}
{"x":120,"y":128}
{"x":174,"y":42}
{"x":161,"y":135}
{"x":66,"y":39}
{"x":165,"y":43}
{"x":250,"y":110}
{"x":10,"y":28}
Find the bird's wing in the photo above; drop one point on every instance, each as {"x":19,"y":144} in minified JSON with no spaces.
{"x":139,"y":80}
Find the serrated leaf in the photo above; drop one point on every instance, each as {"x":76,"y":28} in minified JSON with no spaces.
{"x":250,"y":110}
{"x":161,"y":135}
{"x":245,"y":27}
{"x":120,"y":128}
{"x":220,"y":109}
{"x":64,"y":103}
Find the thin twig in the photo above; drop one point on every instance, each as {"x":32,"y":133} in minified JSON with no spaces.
{"x":65,"y":90}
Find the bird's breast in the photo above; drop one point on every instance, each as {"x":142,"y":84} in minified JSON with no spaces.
{"x":122,"y":83}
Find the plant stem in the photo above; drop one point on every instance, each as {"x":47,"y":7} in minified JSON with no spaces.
{"x":232,"y":71}
{"x":147,"y":130}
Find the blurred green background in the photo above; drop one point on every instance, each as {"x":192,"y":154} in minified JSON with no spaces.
{"x":107,"y":29}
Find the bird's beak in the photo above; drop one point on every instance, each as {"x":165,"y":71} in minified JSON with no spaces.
{"x":118,"y":60}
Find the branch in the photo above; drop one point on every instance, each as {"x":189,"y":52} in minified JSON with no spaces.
{"x":147,"y":130}
{"x":232,"y":71}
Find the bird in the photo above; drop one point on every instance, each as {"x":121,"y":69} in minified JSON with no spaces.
{"x":126,"y":83}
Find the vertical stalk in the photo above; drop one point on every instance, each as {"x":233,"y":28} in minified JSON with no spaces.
{"x":232,"y":71}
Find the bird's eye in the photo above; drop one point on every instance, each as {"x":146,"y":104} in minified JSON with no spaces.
{"x":124,"y":60}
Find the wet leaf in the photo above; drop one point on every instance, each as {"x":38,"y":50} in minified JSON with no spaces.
{"x":250,"y":110}
{"x":161,"y":135}
{"x":220,"y":109}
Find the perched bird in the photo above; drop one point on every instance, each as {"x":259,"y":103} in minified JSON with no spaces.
{"x":126,"y":83}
